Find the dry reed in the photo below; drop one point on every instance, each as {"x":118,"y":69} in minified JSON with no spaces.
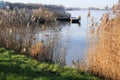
{"x":104,"y":55}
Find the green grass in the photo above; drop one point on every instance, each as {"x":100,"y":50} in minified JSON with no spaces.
{"x":15,"y":66}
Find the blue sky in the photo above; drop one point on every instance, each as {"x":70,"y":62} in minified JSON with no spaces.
{"x":72,"y":3}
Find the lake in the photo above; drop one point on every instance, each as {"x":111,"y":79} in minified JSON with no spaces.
{"x":70,"y":41}
{"x":61,"y":43}
{"x":79,"y":35}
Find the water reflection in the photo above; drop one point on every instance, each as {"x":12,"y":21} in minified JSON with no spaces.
{"x":54,"y":46}
{"x":79,"y":24}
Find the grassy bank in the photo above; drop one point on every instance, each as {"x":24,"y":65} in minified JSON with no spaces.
{"x":15,"y":66}
{"x":104,"y":55}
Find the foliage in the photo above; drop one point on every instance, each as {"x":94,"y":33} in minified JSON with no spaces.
{"x":34,"y":6}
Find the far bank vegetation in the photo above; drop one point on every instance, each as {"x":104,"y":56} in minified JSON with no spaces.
{"x":27,"y":13}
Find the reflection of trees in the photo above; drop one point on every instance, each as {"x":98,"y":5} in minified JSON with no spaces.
{"x":55,"y":47}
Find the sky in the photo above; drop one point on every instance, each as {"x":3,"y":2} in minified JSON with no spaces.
{"x":72,"y":3}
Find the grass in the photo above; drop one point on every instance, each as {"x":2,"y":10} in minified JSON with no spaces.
{"x":104,"y":55}
{"x":15,"y":66}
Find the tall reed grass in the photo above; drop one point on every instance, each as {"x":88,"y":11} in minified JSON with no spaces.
{"x":104,"y":49}
{"x":18,"y":28}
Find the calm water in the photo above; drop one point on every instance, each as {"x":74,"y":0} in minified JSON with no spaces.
{"x":79,"y":36}
{"x":69,"y":41}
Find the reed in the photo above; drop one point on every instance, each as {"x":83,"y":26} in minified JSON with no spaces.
{"x":19,"y":26}
{"x":104,"y":51}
